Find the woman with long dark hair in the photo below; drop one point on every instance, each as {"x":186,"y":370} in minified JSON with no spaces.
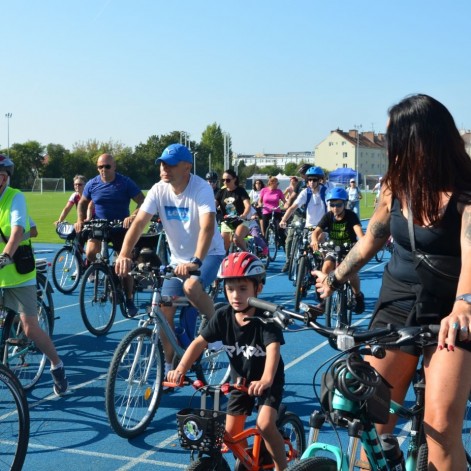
{"x":425,"y":203}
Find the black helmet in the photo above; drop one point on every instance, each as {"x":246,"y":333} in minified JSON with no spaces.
{"x":304,"y":168}
{"x":212,"y":177}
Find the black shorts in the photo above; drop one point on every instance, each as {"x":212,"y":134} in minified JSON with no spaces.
{"x":242,"y":404}
{"x":391,"y":314}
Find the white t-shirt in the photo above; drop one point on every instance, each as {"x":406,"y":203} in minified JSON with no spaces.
{"x":315,"y":209}
{"x":353,"y":194}
{"x":180,"y":216}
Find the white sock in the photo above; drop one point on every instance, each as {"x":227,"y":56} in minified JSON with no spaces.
{"x":59,"y":365}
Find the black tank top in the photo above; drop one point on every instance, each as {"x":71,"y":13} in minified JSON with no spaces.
{"x":443,"y":239}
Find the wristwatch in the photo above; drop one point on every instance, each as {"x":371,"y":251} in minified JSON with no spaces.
{"x":464,"y":297}
{"x":196,"y":261}
{"x":332,"y":281}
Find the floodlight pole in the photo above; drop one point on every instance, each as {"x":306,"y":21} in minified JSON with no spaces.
{"x":8,"y":116}
{"x":357,"y":157}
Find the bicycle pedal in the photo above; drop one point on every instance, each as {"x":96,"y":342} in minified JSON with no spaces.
{"x":17,"y":342}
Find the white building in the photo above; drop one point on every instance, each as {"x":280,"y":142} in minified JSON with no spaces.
{"x":280,"y":160}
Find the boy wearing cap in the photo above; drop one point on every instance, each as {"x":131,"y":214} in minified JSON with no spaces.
{"x":185,"y":203}
{"x":354,"y":197}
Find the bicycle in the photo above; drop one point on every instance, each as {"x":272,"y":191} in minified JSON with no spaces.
{"x":272,"y":236}
{"x":308,"y":260}
{"x":387,"y":247}
{"x":69,"y":263}
{"x":14,"y":421}
{"x":202,"y":432}
{"x":354,"y":397}
{"x":18,"y":352}
{"x":134,"y":383}
{"x":297,"y":247}
{"x":339,"y":306}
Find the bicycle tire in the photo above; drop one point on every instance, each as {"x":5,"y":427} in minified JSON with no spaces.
{"x":272,"y":242}
{"x":66,"y":270}
{"x":379,"y":255}
{"x":296,"y":250}
{"x":318,"y":463}
{"x":131,"y":398}
{"x":14,"y":432}
{"x":45,"y":287}
{"x":347,"y":305}
{"x":209,"y":463}
{"x":97,"y":299}
{"x":301,"y":283}
{"x":20,"y":354}
{"x":292,"y":430}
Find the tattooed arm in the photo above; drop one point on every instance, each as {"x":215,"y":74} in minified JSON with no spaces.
{"x":376,"y":236}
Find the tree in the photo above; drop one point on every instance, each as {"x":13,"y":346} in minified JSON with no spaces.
{"x":290,"y":168}
{"x":212,"y":144}
{"x":29,"y":159}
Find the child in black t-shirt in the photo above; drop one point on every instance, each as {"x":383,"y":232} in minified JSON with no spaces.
{"x":253,"y":349}
{"x":342,"y":225}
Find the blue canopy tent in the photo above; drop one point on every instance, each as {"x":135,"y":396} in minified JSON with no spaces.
{"x":343,"y":175}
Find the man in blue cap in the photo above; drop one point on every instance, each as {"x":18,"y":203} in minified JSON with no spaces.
{"x":185,"y":203}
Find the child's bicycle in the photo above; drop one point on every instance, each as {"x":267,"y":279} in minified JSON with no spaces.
{"x":354,"y":397}
{"x":202,"y":432}
{"x":134,"y":381}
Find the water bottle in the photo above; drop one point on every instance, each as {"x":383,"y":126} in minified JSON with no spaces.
{"x":182,"y":337}
{"x":392,"y":452}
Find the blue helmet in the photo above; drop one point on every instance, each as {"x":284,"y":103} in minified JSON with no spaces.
{"x":337,"y":193}
{"x":6,"y":164}
{"x":314,"y":171}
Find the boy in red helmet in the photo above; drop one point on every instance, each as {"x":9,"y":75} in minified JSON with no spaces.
{"x":253,"y":349}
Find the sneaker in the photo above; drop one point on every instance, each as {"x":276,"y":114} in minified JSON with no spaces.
{"x":61,"y":382}
{"x":131,"y":308}
{"x":285,"y":268}
{"x":215,"y":346}
{"x":359,"y":303}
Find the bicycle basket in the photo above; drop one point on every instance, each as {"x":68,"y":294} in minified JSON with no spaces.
{"x":65,"y":230}
{"x":201,"y":429}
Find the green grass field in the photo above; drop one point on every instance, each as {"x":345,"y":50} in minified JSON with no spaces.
{"x":45,"y":208}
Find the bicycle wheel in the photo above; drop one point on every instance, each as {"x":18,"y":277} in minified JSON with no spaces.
{"x":213,"y":367}
{"x":292,"y":430}
{"x":45,"y":293}
{"x":348,"y":305}
{"x":134,"y":384}
{"x":296,"y":248}
{"x":66,"y":270}
{"x":20,"y":353}
{"x":318,"y":463}
{"x":14,"y":416}
{"x":209,"y":463}
{"x":301,"y":281}
{"x":272,"y":242}
{"x":380,"y":254}
{"x":98,"y":299}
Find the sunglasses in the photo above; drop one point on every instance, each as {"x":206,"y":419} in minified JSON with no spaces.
{"x":78,"y":184}
{"x":227,"y":179}
{"x":107,"y":166}
{"x":336,"y":205}
{"x":312,"y":179}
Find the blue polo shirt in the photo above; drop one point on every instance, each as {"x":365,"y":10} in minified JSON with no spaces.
{"x":111,"y":199}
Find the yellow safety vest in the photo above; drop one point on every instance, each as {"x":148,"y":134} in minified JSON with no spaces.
{"x":8,"y":275}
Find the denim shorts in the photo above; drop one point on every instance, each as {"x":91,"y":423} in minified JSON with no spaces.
{"x":209,"y":271}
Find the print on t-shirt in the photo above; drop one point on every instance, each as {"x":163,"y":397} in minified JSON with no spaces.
{"x":180,"y":214}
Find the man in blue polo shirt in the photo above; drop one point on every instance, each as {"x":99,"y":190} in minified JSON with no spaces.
{"x":111,"y":194}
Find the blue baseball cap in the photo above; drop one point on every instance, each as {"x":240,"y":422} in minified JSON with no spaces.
{"x":174,"y":154}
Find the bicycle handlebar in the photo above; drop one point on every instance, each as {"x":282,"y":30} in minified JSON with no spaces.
{"x":225,"y":388}
{"x":350,"y":336}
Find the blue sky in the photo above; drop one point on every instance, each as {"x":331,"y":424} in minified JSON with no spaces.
{"x":276,"y":75}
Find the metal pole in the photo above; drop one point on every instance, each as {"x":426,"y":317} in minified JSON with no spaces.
{"x":357,"y":157}
{"x":8,"y":116}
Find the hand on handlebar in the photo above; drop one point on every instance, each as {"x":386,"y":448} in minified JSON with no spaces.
{"x":321,"y":284}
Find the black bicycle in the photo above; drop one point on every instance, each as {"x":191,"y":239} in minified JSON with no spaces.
{"x":14,"y":421}
{"x":354,"y":397}
{"x":297,"y":248}
{"x":273,"y":236}
{"x":307,"y":261}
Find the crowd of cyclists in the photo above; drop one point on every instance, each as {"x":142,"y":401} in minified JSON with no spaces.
{"x":207,"y":224}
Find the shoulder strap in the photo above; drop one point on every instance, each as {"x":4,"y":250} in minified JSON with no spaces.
{"x":309,"y":196}
{"x":410,"y":226}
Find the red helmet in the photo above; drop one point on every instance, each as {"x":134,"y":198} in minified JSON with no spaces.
{"x":242,"y":265}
